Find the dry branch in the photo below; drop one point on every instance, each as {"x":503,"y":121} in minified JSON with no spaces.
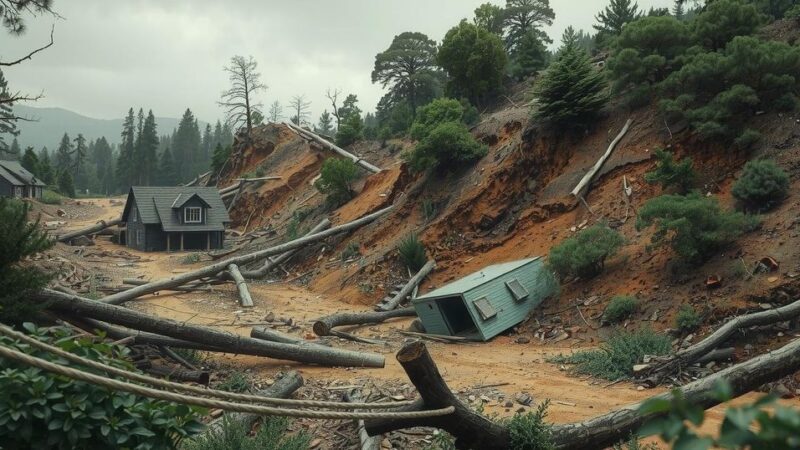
{"x":271,"y":263}
{"x":409,"y":287}
{"x":269,"y":334}
{"x":662,"y":367}
{"x":580,"y":189}
{"x":366,"y":441}
{"x":325,"y":143}
{"x":82,"y":307}
{"x":102,"y":225}
{"x":214,"y":269}
{"x":324,"y":325}
{"x":244,"y":294}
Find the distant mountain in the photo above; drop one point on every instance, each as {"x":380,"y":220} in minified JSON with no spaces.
{"x":53,"y":122}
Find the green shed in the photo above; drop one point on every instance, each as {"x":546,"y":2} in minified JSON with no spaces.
{"x":486,"y":303}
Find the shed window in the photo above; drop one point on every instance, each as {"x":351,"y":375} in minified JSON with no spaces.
{"x":192,"y":214}
{"x":485,"y":309}
{"x":517,"y":290}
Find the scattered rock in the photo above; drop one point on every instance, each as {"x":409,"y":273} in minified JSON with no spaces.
{"x":523,"y":399}
{"x":523,"y":340}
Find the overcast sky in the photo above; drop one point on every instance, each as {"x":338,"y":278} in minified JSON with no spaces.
{"x":168,"y":55}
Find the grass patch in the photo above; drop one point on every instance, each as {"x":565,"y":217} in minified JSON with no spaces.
{"x":687,"y":319}
{"x":191,"y":258}
{"x":236,"y":382}
{"x":615,"y":359}
{"x":412,"y":252}
{"x":620,"y":308}
{"x":429,"y":209}
{"x":51,"y":197}
{"x":235,"y":435}
{"x":529,"y":431}
{"x":192,"y":356}
{"x":351,"y":251}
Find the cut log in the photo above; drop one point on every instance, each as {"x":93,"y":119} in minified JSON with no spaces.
{"x":329,"y":145}
{"x":324,"y":325}
{"x":179,"y":374}
{"x":608,"y":429}
{"x":171,"y":354}
{"x":283,"y":387}
{"x":662,"y":367}
{"x":409,"y":287}
{"x":583,"y":185}
{"x":236,"y":196}
{"x":271,"y":263}
{"x":470,"y":430}
{"x":253,"y":180}
{"x":214,"y":269}
{"x":367,"y":442}
{"x":244,"y":294}
{"x":82,"y":307}
{"x":269,"y":334}
{"x":720,"y":354}
{"x":99,"y":226}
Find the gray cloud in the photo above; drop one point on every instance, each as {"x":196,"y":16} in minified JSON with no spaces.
{"x":168,"y":55}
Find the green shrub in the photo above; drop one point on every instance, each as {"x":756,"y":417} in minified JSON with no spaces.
{"x":412,"y":252}
{"x":669,"y":173}
{"x":687,"y":319}
{"x":615,"y":359}
{"x":235,"y":435}
{"x":693,"y":225}
{"x":336,"y":179}
{"x":529,"y":431}
{"x":351,"y":130}
{"x":722,"y":20}
{"x":236,"y":382}
{"x":620,"y":308}
{"x":435,"y":113}
{"x":351,"y":251}
{"x":66,"y":186}
{"x":762,"y":185}
{"x":447,"y":147}
{"x":42,"y":410}
{"x":793,"y":12}
{"x":428,"y":209}
{"x":18,"y":240}
{"x":584,"y":254}
{"x":51,"y":197}
{"x":191,"y":258}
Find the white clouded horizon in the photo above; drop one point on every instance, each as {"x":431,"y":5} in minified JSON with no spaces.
{"x":167,"y":56}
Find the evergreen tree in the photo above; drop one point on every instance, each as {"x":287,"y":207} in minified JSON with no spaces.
{"x":530,"y":56}
{"x":677,"y":9}
{"x":408,"y":69}
{"x":46,"y":168}
{"x":126,"y":157}
{"x":65,"y":184}
{"x":8,"y":125}
{"x":31,"y":162}
{"x":221,"y":155}
{"x":207,"y":146}
{"x":186,"y":146}
{"x":147,"y":152}
{"x":14,"y":151}
{"x":64,"y":155}
{"x":572,"y":92}
{"x":79,"y":172}
{"x":615,"y":16}
{"x":227,"y":135}
{"x":490,"y":17}
{"x":167,"y":174}
{"x":325,"y":123}
{"x":527,"y":16}
{"x":103,"y":158}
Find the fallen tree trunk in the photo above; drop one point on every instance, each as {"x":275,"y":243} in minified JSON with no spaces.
{"x":179,"y":374}
{"x":409,"y":287}
{"x":82,"y":307}
{"x":661,"y":367}
{"x":268,"y":334}
{"x":366,"y":441}
{"x":193,"y":182}
{"x":283,"y":387}
{"x":324,"y":325}
{"x":99,"y":226}
{"x":253,"y":180}
{"x":244,"y":294}
{"x":607,"y":429}
{"x":587,"y":179}
{"x":271,"y":263}
{"x":469,"y":429}
{"x":325,"y":143}
{"x":214,"y":269}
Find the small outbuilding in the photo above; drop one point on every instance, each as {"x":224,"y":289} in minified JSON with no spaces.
{"x":16,"y":181}
{"x":488,"y":302}
{"x":174,"y":218}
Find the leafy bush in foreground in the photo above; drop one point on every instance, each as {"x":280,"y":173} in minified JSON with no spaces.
{"x":447,"y":147}
{"x":234,"y":435}
{"x":620,"y":308}
{"x":762,"y":185}
{"x":42,"y":410}
{"x":615,"y":359}
{"x":529,"y":431}
{"x":336,"y":180}
{"x":584,"y":254}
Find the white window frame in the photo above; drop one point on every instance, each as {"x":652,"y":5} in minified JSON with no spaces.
{"x":192,"y":209}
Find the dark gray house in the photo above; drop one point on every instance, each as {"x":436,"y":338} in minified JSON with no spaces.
{"x":16,"y":181}
{"x":174,"y":218}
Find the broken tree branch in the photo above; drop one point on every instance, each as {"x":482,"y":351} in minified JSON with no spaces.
{"x":271,"y":263}
{"x":30,"y":55}
{"x":99,"y":226}
{"x":583,"y":185}
{"x":409,"y":287}
{"x":324,"y":325}
{"x":269,"y":334}
{"x":82,"y":307}
{"x":367,"y":442}
{"x":662,"y":367}
{"x":244,"y":294}
{"x":215,"y":269}
{"x":325,"y":143}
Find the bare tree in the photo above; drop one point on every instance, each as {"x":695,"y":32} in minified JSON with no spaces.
{"x":334,"y":97}
{"x":275,"y":112}
{"x":300,"y":108}
{"x":238,"y":102}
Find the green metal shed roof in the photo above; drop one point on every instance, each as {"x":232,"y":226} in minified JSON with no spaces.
{"x":474,"y":280}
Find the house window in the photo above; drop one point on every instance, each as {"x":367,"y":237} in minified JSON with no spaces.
{"x":485,"y":309}
{"x":517,"y":290}
{"x":134,"y":215}
{"x":192,"y":214}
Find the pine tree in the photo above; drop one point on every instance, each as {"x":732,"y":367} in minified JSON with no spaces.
{"x":8,"y":126}
{"x":148,"y":145}
{"x":572,"y":92}
{"x":325,"y":123}
{"x":616,"y":15}
{"x":207,"y":146}
{"x":103,"y":158}
{"x":79,"y":172}
{"x":526,"y":16}
{"x":167,"y":175}
{"x":65,"y":184}
{"x":126,"y":160}
{"x":186,"y":146}
{"x":221,"y":155}
{"x":14,"y":151}
{"x":64,"y":155}
{"x":31,"y":162}
{"x":677,"y":9}
{"x":530,"y":56}
{"x":46,"y":168}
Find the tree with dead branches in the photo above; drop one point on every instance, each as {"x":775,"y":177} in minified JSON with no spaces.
{"x":240,"y":106}
{"x":333,"y":96}
{"x":275,"y":112}
{"x":300,"y":108}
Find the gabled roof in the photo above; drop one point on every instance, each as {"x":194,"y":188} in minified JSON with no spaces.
{"x":155,"y":206}
{"x":15,"y":173}
{"x":476,"y":279}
